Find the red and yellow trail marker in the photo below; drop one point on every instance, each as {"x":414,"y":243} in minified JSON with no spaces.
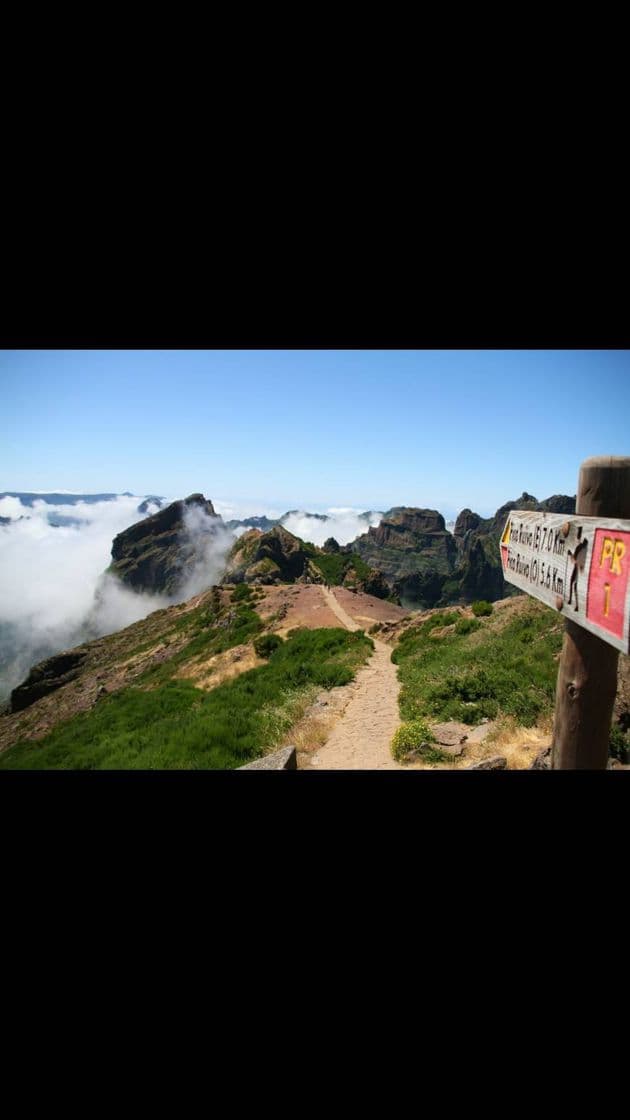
{"x":577,"y":565}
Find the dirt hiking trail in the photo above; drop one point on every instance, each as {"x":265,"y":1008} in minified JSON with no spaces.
{"x":361,"y":738}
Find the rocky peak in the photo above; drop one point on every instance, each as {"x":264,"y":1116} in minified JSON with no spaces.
{"x":271,"y":557}
{"x":331,"y":545}
{"x":157,"y":554}
{"x":466,"y":521}
{"x":416,"y":520}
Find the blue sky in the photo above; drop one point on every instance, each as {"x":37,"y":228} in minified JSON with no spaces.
{"x":312,"y":429}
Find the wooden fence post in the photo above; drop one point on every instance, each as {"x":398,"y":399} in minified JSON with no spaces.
{"x":587,"y":674}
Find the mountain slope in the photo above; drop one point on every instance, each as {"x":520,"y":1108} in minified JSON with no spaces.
{"x":188,"y":687}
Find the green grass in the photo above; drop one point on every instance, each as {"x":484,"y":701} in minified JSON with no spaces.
{"x":178,"y":726}
{"x":334,"y":566}
{"x":490,"y":670}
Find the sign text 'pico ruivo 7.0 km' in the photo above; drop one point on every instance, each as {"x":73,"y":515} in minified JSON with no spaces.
{"x":577,"y":565}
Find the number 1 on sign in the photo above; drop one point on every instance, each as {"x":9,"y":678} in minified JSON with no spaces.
{"x":606,"y":599}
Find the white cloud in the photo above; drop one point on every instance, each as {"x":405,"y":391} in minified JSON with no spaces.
{"x":212,"y":543}
{"x":344,"y":525}
{"x":11,"y":507}
{"x":238,"y":511}
{"x":48,"y":579}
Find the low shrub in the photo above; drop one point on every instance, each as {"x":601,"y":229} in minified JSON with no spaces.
{"x":619,"y":744}
{"x":467,"y":626}
{"x":265,"y":644}
{"x":415,"y":736}
{"x":481,"y":607}
{"x":241,"y":592}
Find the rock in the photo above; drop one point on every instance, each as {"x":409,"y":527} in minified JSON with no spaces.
{"x":450,"y":734}
{"x":158,"y":553}
{"x":466,"y":522}
{"x":413,"y":550}
{"x":331,"y":545}
{"x":46,"y":677}
{"x":285,"y":759}
{"x":478,"y":734}
{"x":274,"y":557}
{"x":542,"y":760}
{"x":479,"y":574}
{"x":558,"y":503}
{"x":455,"y":750}
{"x":375,"y":584}
{"x":497,"y":762}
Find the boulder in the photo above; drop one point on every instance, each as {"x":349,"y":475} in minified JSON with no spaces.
{"x":450,"y":734}
{"x":284,"y":759}
{"x":46,"y":677}
{"x":542,"y":760}
{"x":497,"y":762}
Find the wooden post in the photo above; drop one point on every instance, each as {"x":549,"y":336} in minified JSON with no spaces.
{"x":587,"y":674}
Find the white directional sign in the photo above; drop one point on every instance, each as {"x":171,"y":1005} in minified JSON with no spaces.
{"x":580,"y":566}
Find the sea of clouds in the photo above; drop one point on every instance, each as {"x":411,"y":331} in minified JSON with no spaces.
{"x":344,"y":523}
{"x":48,"y":578}
{"x":53,"y":590}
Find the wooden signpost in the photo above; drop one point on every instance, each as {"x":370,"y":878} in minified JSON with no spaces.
{"x":580,"y":567}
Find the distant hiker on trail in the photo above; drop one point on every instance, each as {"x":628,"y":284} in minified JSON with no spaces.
{"x":579,"y":559}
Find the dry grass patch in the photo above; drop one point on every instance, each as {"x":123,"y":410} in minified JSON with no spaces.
{"x":208,"y":672}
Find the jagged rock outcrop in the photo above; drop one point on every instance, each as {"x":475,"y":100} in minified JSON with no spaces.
{"x":558,"y":503}
{"x":413,"y":550}
{"x":46,"y":677}
{"x":479,"y":573}
{"x":158,"y":554}
{"x":331,"y":545}
{"x":466,"y":522}
{"x":273,"y":557}
{"x":427,"y":566}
